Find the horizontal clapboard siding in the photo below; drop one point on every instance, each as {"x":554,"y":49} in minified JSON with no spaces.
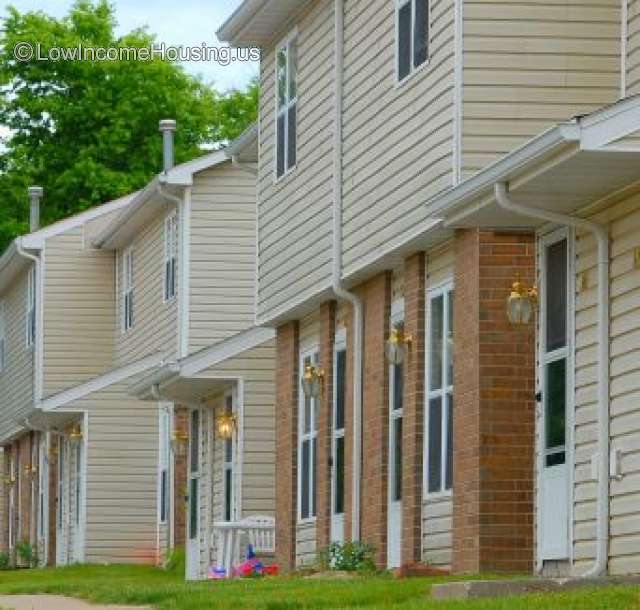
{"x":222,"y":257}
{"x":16,"y":382}
{"x":79,"y":313}
{"x":294,"y":213}
{"x":398,"y":142}
{"x":529,"y":65}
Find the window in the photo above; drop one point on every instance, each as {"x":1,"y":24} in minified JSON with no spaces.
{"x":227,"y":466}
{"x":127,"y":289}
{"x":3,"y":337}
{"x":395,"y":424}
{"x":43,"y":475}
{"x":286,"y":106}
{"x":61,"y":473}
{"x":439,"y":408}
{"x":307,"y":448}
{"x":339,"y":402}
{"x":555,"y":352}
{"x":78,"y":483}
{"x":412,"y":31}
{"x":163,"y":463}
{"x":170,"y":255}
{"x":31,"y":307}
{"x":194,"y":468}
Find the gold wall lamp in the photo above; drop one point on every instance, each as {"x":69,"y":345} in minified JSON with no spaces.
{"x":521,"y":303}
{"x":312,"y":381}
{"x":226,"y":425}
{"x":398,"y":344}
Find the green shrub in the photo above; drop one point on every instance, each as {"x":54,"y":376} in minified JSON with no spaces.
{"x":27,"y":555}
{"x":5,"y":561}
{"x":348,"y":557}
{"x":175,"y":561}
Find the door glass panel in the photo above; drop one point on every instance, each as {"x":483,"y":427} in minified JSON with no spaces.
{"x":338,"y":507}
{"x":193,"y":509}
{"x":397,"y":459}
{"x":556,"y":297}
{"x":306,"y":428}
{"x":304,"y":495}
{"x":195,"y":436}
{"x":314,"y":445}
{"x":449,"y":465}
{"x":228,"y":493}
{"x":555,"y":416}
{"x":341,"y":361}
{"x":435,"y":347}
{"x":449,"y":339}
{"x":398,"y":386}
{"x":435,"y":445}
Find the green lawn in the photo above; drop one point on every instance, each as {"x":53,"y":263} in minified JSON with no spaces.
{"x":167,"y":591}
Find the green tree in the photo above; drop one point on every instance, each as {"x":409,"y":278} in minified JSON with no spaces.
{"x":88,"y":130}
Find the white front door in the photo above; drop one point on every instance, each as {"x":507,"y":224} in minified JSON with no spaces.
{"x":554,"y":375}
{"x":193,"y":505}
{"x":61,"y":539}
{"x":337,"y":441}
{"x":394,"y":533}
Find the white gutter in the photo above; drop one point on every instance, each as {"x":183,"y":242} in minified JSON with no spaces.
{"x":337,"y":286}
{"x":39,"y":340}
{"x":599,"y":568}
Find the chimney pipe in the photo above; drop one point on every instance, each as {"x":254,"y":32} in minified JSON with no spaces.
{"x":167,"y":128}
{"x":35,"y":194}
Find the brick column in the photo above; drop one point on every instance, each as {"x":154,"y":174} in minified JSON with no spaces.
{"x":413,"y":418}
{"x":324,"y":425}
{"x":494,"y":413}
{"x":180,"y":467}
{"x":374,"y":501}
{"x":287,"y":349}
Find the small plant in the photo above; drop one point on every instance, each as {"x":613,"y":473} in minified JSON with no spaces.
{"x":348,"y":557}
{"x":27,"y":555}
{"x":175,"y":561}
{"x":5,"y":561}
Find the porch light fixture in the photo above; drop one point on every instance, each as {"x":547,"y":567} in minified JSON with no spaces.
{"x":31,"y":472}
{"x":398,"y":344}
{"x":226,"y":425}
{"x":179,"y":443}
{"x":521,"y":303}
{"x":75,"y":435}
{"x":7,"y":479}
{"x":312,"y":381}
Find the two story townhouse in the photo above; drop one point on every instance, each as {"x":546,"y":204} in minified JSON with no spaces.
{"x":413,"y":414}
{"x":146,"y":317}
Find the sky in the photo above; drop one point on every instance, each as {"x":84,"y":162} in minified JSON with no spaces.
{"x":175,"y":22}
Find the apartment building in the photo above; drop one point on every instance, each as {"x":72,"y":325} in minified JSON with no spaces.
{"x":415,"y":411}
{"x":146,"y":319}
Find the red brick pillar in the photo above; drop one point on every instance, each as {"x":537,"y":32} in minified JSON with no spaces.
{"x":287,"y":383}
{"x":180,"y":467}
{"x":376,"y":294}
{"x":324,"y":424}
{"x":413,"y":418}
{"x":494,"y":413}
{"x":53,"y":493}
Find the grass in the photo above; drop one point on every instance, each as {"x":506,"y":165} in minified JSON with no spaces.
{"x":167,"y":591}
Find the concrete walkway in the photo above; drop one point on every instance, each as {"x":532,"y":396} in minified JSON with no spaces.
{"x":54,"y":602}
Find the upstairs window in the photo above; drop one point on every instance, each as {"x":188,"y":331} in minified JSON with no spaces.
{"x":3,"y":338}
{"x":412,"y":32}
{"x":31,"y":308}
{"x":170,"y":255}
{"x":127,"y":289}
{"x":286,"y":105}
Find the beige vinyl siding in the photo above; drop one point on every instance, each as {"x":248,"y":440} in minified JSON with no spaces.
{"x":529,"y":65}
{"x":398,"y":142}
{"x":222,"y":261}
{"x":294,"y":213}
{"x":155,"y":322}
{"x":623,"y":221}
{"x":437,"y":510}
{"x":121,"y":471}
{"x":16,"y":382}
{"x":633,"y":48}
{"x":79,"y":313}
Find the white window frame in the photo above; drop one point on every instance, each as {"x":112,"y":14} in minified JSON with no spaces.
{"x":414,"y":69}
{"x":311,"y":436}
{"x":445,"y":290}
{"x":3,"y":337}
{"x":170,"y":261}
{"x":128,"y":294}
{"x":77,"y":487}
{"x":290,"y":41}
{"x":397,"y":317}
{"x":340,"y":345}
{"x":30,"y":313}
{"x":228,"y":465}
{"x":164,"y":451}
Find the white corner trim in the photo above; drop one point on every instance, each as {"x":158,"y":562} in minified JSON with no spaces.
{"x":224,"y":350}
{"x":624,"y":46}
{"x":100,"y":383}
{"x":184,"y":301}
{"x":458,"y":89}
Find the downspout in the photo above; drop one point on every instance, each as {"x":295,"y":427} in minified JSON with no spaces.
{"x":38,"y":347}
{"x":599,"y":567}
{"x":338,"y":289}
